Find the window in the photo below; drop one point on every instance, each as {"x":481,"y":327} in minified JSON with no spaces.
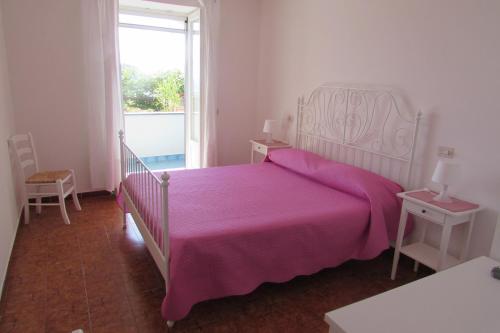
{"x":153,"y":53}
{"x":160,"y":79}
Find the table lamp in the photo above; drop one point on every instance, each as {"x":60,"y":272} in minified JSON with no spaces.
{"x":268,"y":130}
{"x":446,"y":173}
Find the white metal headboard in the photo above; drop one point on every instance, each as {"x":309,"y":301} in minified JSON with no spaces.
{"x":369,"y":128}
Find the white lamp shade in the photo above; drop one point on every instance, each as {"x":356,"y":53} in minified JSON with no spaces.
{"x":446,"y":173}
{"x":268,"y":126}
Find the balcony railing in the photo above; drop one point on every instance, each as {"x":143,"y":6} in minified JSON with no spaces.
{"x":157,"y":137}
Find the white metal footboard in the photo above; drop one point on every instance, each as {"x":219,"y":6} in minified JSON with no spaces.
{"x":146,"y":198}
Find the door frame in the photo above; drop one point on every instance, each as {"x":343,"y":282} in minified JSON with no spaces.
{"x":192,"y":148}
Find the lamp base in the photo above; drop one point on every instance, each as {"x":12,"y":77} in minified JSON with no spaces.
{"x":441,"y":199}
{"x":443,"y":195}
{"x":269,"y":138}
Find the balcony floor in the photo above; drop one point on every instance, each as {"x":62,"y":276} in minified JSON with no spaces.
{"x":165,"y":162}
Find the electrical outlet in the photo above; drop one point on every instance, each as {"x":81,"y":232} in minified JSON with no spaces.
{"x":446,"y":152}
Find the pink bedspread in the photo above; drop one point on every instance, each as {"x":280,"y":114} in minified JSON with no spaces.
{"x":233,"y":228}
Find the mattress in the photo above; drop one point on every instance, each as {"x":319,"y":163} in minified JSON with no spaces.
{"x":233,"y":228}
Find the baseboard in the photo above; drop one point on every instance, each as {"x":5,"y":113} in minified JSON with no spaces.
{"x":91,"y":194}
{"x":13,"y":241}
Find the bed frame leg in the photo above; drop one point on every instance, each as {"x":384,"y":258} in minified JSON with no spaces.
{"x":170,"y":323}
{"x":121,"y":135}
{"x":124,"y":215}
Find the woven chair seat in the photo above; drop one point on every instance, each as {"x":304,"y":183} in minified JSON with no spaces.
{"x":47,"y":177}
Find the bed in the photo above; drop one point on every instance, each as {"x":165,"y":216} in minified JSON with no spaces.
{"x":223,"y":231}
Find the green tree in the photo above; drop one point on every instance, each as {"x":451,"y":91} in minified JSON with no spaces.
{"x":137,"y":90}
{"x":169,"y":90}
{"x":161,"y":92}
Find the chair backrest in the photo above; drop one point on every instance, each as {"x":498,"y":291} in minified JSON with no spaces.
{"x":23,"y":149}
{"x":495,"y":246}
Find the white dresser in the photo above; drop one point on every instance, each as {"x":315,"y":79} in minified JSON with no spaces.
{"x":462,"y":299}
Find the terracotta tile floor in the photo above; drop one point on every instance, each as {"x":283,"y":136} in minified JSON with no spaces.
{"x":95,"y":276}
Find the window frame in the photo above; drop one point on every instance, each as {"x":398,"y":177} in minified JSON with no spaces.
{"x":135,"y":12}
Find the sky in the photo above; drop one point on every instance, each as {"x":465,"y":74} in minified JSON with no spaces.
{"x":152,"y":51}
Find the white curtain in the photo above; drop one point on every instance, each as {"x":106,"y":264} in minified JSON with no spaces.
{"x":210,"y":18}
{"x":102,"y":85}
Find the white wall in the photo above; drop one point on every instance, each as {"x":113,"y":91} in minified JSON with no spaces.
{"x":444,"y":54}
{"x":155,"y":133}
{"x":8,"y":206}
{"x":44,"y":44}
{"x":495,"y":247}
{"x":238,"y":63}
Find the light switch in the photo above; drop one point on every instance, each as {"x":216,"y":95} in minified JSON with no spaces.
{"x":446,"y":152}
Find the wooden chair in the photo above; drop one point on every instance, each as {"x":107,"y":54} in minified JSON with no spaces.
{"x":61,"y":182}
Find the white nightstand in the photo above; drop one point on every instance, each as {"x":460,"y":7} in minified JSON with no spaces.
{"x":262,"y":147}
{"x":437,"y":259}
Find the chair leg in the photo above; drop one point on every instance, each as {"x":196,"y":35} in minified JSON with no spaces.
{"x":39,"y":206}
{"x":73,"y":193}
{"x":27,"y":211}
{"x":38,"y":202}
{"x":62,"y":204}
